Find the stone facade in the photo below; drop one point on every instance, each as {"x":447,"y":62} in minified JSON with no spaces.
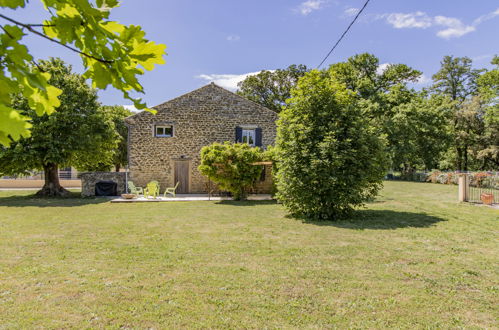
{"x":89,"y":179}
{"x":199,"y":118}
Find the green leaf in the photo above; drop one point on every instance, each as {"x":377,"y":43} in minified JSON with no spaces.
{"x":12,"y":124}
{"x":12,"y":3}
{"x":148,"y":54}
{"x":115,"y":54}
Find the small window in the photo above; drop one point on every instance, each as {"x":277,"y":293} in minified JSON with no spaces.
{"x":248,"y":136}
{"x":163,"y":130}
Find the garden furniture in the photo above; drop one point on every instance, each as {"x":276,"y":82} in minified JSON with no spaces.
{"x":135,"y":190}
{"x":171,"y":190}
{"x":152,"y":189}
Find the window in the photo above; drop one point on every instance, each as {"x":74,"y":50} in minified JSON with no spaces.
{"x":163,"y":131}
{"x":248,"y":136}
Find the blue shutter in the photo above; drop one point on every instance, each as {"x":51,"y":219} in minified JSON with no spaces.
{"x":258,"y":137}
{"x":239,"y":134}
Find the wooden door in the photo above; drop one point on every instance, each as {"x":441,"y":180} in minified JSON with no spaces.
{"x":182,"y":176}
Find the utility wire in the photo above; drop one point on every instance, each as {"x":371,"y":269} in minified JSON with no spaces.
{"x":344,"y":33}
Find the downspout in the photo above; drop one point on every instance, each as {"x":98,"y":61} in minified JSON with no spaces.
{"x":127,"y":156}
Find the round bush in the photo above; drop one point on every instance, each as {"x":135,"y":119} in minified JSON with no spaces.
{"x":330,"y":159}
{"x":230,"y":166}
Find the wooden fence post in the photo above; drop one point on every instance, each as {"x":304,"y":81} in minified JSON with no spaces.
{"x":464,"y":187}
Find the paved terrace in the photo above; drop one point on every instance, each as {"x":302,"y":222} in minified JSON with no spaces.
{"x":187,"y":198}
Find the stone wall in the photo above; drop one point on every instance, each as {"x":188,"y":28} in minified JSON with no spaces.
{"x":89,"y":179}
{"x":199,"y":118}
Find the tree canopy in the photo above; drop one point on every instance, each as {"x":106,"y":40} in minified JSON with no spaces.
{"x":112,"y":54}
{"x":380,"y":89}
{"x":271,"y":88}
{"x":418,"y":132}
{"x":77,"y":134}
{"x":117,"y":114}
{"x":473,"y":132}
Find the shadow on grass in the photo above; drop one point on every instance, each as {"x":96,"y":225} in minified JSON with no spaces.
{"x":381,"y":219}
{"x":247,"y":203}
{"x":74,"y":199}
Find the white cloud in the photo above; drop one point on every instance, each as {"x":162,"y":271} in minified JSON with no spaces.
{"x":455,"y":28}
{"x":418,"y":19}
{"x":423,"y":80}
{"x":448,"y":27}
{"x":132,"y":108}
{"x":486,"y":17}
{"x":351,"y":11}
{"x":233,"y":37}
{"x":228,"y":81}
{"x":309,"y":6}
{"x":382,"y":68}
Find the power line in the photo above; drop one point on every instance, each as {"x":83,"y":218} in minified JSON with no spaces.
{"x":344,"y":33}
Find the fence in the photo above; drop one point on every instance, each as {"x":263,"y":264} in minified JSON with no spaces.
{"x":63,"y":175}
{"x":478,"y":191}
{"x":476,"y":195}
{"x":67,"y":178}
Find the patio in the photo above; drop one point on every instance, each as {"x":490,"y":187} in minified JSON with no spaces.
{"x":189,"y":198}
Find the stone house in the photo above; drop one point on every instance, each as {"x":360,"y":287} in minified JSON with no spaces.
{"x":166,"y":146}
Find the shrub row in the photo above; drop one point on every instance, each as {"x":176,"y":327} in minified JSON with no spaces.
{"x":477,"y":179}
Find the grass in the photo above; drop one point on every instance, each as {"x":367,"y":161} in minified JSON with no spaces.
{"x":414,"y":258}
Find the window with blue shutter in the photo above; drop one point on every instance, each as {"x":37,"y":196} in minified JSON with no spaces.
{"x":258,"y":137}
{"x":239,"y":134}
{"x":249,"y":134}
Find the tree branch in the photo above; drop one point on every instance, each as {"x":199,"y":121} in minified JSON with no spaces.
{"x":38,"y":66}
{"x":6,"y":32}
{"x":40,"y":25}
{"x":38,"y":33}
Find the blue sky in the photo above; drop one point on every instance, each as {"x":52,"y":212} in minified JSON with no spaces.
{"x":224,"y":40}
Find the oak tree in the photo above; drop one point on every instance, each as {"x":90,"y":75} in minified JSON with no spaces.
{"x":77,"y":134}
{"x":112,"y":54}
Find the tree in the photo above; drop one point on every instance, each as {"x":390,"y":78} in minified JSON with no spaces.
{"x":488,"y":86}
{"x":230,"y":166}
{"x":271,"y":88}
{"x":383,"y":86}
{"x":330,"y":158}
{"x":379,"y":89}
{"x":112,"y":54}
{"x":419,"y":132}
{"x":78,"y":134}
{"x":458,"y":80}
{"x":118,"y":114}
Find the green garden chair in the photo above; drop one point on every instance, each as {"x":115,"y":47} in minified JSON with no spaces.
{"x":152,"y":189}
{"x":171,"y":190}
{"x":135,"y":190}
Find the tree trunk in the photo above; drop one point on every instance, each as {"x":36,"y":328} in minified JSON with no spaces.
{"x":458,"y":159}
{"x":117,"y":167}
{"x":52,"y":187}
{"x":465,"y":158}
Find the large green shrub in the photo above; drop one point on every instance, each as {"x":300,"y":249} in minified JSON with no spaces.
{"x":330,"y":159}
{"x":230,"y":166}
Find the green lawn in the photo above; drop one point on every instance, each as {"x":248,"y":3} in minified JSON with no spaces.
{"x":415,"y":258}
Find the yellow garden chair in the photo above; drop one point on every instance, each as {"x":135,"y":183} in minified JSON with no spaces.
{"x":152,"y":189}
{"x":171,"y":190}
